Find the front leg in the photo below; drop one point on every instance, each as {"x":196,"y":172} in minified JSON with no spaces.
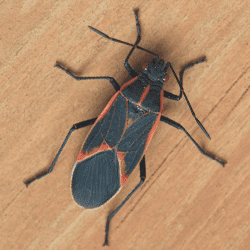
{"x":130,"y":70}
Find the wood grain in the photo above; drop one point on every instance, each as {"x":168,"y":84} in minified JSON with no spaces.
{"x":187,"y":201}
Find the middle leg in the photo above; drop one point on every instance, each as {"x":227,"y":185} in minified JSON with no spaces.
{"x":110,"y":79}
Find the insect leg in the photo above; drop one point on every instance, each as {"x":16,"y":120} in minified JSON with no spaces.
{"x":172,"y":96}
{"x":182,"y":90}
{"x":74,"y":127}
{"x":178,"y":97}
{"x":119,"y":41}
{"x":130,"y":70}
{"x":190,"y":66}
{"x":178,"y":126}
{"x":143,"y":177}
{"x":111,"y":79}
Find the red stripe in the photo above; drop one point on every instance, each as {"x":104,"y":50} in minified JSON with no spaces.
{"x":128,"y":83}
{"x":103,"y":147}
{"x":144,"y":94}
{"x":150,"y":135}
{"x":106,"y":109}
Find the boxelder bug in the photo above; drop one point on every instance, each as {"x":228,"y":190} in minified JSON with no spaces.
{"x":122,"y":132}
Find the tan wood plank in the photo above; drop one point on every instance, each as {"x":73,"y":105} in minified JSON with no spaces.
{"x":187,"y":201}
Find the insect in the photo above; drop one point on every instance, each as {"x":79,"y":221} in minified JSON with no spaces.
{"x":121,"y":134}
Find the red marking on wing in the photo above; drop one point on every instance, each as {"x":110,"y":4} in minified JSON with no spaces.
{"x":144,"y":94}
{"x":127,"y":102}
{"x":106,"y":109}
{"x":121,"y":156}
{"x":128,"y":83}
{"x":124,"y":178}
{"x":126,"y":123}
{"x":150,"y":135}
{"x":103,"y":147}
{"x":80,"y":156}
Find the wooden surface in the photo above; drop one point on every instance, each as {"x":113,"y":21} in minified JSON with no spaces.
{"x":187,"y":201}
